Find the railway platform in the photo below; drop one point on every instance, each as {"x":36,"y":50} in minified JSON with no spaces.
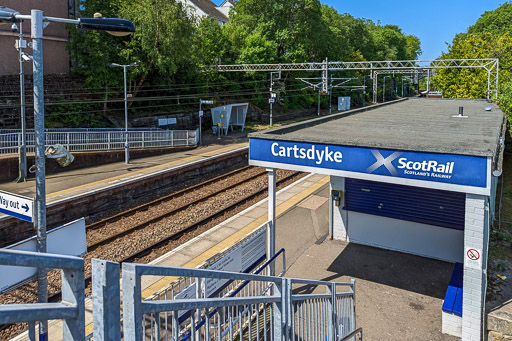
{"x":393,"y":301}
{"x":75,"y":182}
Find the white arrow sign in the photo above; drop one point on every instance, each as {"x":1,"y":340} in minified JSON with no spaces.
{"x":17,"y":206}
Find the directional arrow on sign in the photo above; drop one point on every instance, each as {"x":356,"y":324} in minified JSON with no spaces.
{"x":17,"y":206}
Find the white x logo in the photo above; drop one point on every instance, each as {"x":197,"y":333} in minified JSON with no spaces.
{"x":386,"y":162}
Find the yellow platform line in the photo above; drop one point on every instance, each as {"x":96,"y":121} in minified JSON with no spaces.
{"x":131,"y":174}
{"x":240,"y":234}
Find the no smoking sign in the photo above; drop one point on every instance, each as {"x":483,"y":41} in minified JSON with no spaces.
{"x":473,"y":258}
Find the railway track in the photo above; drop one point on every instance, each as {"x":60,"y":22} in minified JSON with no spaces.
{"x":144,"y":253}
{"x":169,"y":213}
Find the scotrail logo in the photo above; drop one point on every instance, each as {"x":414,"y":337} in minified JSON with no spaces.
{"x":386,"y":162}
{"x":425,"y":168}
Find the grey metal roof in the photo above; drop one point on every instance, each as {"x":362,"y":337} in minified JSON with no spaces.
{"x":209,"y":8}
{"x":416,"y":124}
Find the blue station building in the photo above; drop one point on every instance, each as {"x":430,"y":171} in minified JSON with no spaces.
{"x":416,"y":176}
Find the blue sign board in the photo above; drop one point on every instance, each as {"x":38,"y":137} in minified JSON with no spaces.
{"x":16,"y":206}
{"x":445,"y":168}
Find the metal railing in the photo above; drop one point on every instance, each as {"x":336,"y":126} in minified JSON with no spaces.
{"x":262,"y":308}
{"x":98,"y":140}
{"x":71,"y":310}
{"x":183,"y":286}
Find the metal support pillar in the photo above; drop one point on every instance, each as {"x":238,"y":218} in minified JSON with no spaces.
{"x":126,"y":144}
{"x":271,"y":230}
{"x":106,"y":300}
{"x":278,"y":316}
{"x":384,"y":90}
{"x":132,"y":303}
{"x":200,"y":120}
{"x":73,"y":287}
{"x":325,"y":76}
{"x":488,"y":85}
{"x":497,"y":79}
{"x":40,"y":200}
{"x":364,"y":91}
{"x":330,"y":97}
{"x":428,"y":82}
{"x":318,"y":110}
{"x":374,"y":88}
{"x":23,"y":142}
{"x":271,"y":86}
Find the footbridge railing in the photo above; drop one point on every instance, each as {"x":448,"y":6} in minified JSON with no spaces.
{"x":71,"y":310}
{"x":275,"y":309}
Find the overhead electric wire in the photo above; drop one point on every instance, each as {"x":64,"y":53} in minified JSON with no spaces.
{"x":163,"y":87}
{"x":155,"y":98}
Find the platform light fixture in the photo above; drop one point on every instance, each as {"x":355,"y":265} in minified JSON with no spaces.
{"x":126,"y":143}
{"x":8,"y":15}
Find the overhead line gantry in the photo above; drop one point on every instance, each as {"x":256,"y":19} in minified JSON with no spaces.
{"x":491,"y":65}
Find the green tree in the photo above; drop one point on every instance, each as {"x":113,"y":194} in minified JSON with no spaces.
{"x":472,"y":83}
{"x":489,"y":37}
{"x":498,"y":21}
{"x":277,"y":31}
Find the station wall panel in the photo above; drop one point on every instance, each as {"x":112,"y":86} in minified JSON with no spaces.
{"x":421,"y":205}
{"x":406,"y":236}
{"x":419,"y":221}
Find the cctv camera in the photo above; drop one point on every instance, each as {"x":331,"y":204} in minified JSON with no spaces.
{"x":26,"y":57}
{"x":14,"y":27}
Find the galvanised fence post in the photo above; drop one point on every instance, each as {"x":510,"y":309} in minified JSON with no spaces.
{"x":279,"y":308}
{"x":132,"y":303}
{"x":106,"y":300}
{"x":73,"y":287}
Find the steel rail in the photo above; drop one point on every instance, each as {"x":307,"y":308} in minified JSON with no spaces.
{"x":168,"y":213}
{"x":57,"y":295}
{"x":171,"y":196}
{"x":199,"y":223}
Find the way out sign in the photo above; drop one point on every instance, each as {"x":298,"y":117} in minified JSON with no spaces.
{"x":473,"y":258}
{"x":17,"y":206}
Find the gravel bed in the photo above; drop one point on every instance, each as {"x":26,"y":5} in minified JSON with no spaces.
{"x":142,"y":238}
{"x":96,"y":235}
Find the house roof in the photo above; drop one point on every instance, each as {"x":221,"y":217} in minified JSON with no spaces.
{"x":233,"y":2}
{"x":210,"y":9}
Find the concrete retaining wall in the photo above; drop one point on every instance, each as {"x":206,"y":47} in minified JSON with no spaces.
{"x":10,"y":169}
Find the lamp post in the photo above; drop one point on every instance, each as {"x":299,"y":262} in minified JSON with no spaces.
{"x":126,"y":144}
{"x":20,"y":45}
{"x":113,"y":26}
{"x":201,"y":102}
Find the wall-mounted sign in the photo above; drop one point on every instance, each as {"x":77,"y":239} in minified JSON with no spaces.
{"x":167,"y":121}
{"x":473,"y":258}
{"x":350,"y":161}
{"x":17,"y":206}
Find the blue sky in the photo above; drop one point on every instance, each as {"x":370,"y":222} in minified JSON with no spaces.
{"x":434,"y":22}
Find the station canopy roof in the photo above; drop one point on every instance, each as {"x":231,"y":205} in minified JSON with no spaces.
{"x":422,"y":125}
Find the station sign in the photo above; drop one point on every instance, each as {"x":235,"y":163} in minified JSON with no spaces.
{"x":17,"y":206}
{"x":370,"y":163}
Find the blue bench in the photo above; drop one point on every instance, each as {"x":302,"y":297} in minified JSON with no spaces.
{"x":453,"y":299}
